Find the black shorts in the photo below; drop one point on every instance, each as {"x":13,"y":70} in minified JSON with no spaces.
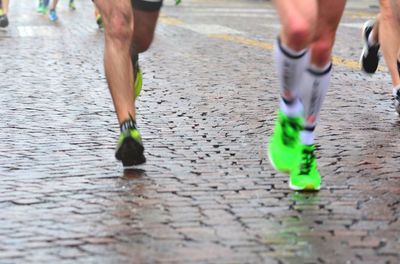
{"x":147,"y":5}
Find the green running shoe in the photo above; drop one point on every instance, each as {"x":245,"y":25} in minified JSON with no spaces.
{"x":130,"y":147}
{"x":177,"y":2}
{"x":99,"y":21}
{"x":284,"y":144}
{"x":42,"y":9}
{"x":305,"y":176}
{"x":138,"y":76}
{"x":72,"y":5}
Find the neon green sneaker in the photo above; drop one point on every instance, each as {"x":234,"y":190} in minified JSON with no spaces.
{"x":42,"y":9}
{"x":99,"y":21}
{"x":305,"y":176}
{"x":130,"y":148}
{"x":72,"y":5}
{"x":284,"y":144}
{"x":138,"y":75}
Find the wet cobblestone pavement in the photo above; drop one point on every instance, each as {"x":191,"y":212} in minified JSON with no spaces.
{"x":207,"y":193}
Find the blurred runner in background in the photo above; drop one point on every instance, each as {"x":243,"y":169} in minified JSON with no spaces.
{"x":4,"y":12}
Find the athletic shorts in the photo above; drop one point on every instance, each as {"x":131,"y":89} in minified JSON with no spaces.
{"x":146,"y":5}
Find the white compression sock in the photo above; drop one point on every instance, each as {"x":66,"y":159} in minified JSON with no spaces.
{"x":307,"y":137}
{"x":290,"y":66}
{"x":293,"y":109}
{"x":314,"y":86}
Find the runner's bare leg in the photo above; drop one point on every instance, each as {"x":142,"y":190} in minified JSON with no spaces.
{"x":118,"y":24}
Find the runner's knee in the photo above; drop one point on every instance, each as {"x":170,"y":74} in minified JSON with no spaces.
{"x":120,"y":25}
{"x":298,"y":33}
{"x":143,"y":42}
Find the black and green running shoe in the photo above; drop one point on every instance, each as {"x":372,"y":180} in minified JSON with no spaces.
{"x":3,"y":21}
{"x":130,"y":147}
{"x":72,"y":5}
{"x":137,"y":73}
{"x":99,"y":21}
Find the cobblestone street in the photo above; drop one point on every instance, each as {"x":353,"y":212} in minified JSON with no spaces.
{"x":207,"y":193}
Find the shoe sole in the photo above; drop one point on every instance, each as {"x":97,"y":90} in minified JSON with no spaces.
{"x":130,"y":153}
{"x":365,"y":49}
{"x":307,"y":188}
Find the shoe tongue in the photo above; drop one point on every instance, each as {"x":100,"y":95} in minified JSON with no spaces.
{"x":128,"y":124}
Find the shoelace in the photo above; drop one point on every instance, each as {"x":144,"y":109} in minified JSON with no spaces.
{"x":289,"y":127}
{"x":306,"y":162}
